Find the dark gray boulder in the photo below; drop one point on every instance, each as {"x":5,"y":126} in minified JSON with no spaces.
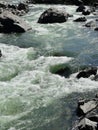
{"x":11,"y":23}
{"x":53,"y":15}
{"x":80,"y":19}
{"x":87,"y":73}
{"x":86,"y":124}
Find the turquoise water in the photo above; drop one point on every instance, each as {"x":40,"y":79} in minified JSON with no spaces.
{"x":31,"y":97}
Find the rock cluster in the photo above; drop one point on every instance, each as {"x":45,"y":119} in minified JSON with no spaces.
{"x":20,"y":9}
{"x":87,"y":73}
{"x":75,"y":2}
{"x":87,"y":113}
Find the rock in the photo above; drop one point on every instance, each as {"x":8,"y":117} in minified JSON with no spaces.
{"x":95,"y":4}
{"x":78,"y":2}
{"x":96,"y":29}
{"x":23,"y":6}
{"x":86,"y":12}
{"x":12,"y":23}
{"x":0,"y":53}
{"x":65,"y":72}
{"x":86,"y":107}
{"x":90,"y":24}
{"x":93,"y":118}
{"x":80,"y":8}
{"x":2,"y":5}
{"x":11,"y":6}
{"x":87,"y":73}
{"x":96,"y":77}
{"x":81,"y":19}
{"x":86,"y":124}
{"x":19,"y":9}
{"x":53,"y":15}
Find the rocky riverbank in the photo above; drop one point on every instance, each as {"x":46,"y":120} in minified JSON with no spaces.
{"x":71,"y":2}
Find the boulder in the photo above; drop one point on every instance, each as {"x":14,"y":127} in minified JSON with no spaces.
{"x":87,"y":73}
{"x":86,"y":124}
{"x":81,"y":8}
{"x":12,"y":23}
{"x":53,"y":15}
{"x":85,"y":107}
{"x":80,"y":19}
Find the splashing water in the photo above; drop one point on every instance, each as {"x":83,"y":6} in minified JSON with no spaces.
{"x":31,"y":97}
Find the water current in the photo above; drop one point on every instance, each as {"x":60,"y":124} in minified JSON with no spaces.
{"x":31,"y":96}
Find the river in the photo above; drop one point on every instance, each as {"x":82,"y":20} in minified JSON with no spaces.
{"x":31,"y":96}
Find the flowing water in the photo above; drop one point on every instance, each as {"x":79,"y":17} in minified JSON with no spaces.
{"x":31,"y":96}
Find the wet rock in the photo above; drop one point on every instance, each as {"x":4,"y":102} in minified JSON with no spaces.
{"x":81,"y":19}
{"x":87,"y":73}
{"x":86,"y":12}
{"x":3,"y":5}
{"x":90,"y":24}
{"x":52,"y":15}
{"x":96,"y":77}
{"x":0,"y":53}
{"x":19,"y":9}
{"x":78,"y":2}
{"x":12,"y":23}
{"x":86,"y":124}
{"x":96,"y":29}
{"x":86,"y":107}
{"x":80,"y":8}
{"x":11,"y":6}
{"x":95,"y":4}
{"x":23,"y":6}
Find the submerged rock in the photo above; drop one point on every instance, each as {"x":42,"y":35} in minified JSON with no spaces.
{"x":53,"y":15}
{"x":61,"y":70}
{"x":12,"y":23}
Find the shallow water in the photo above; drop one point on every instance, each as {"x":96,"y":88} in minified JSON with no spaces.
{"x":31,"y":97}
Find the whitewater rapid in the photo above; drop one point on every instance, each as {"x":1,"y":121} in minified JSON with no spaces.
{"x":31,"y":96}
